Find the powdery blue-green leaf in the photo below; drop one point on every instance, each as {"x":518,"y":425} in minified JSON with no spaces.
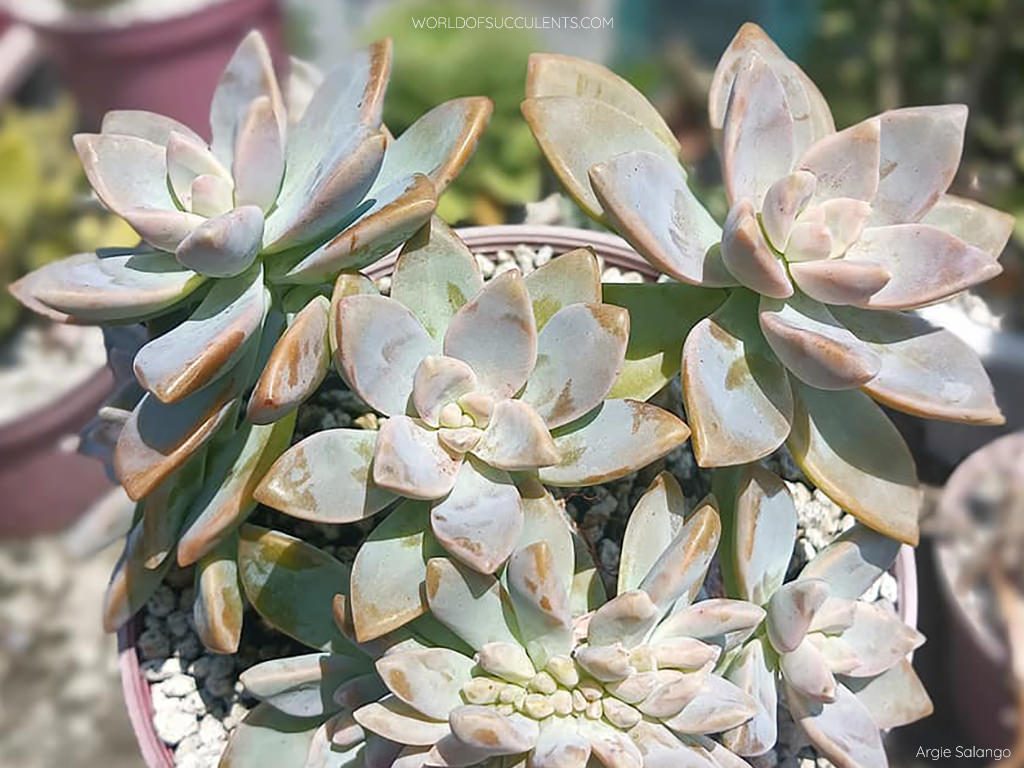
{"x":974,"y":223}
{"x":807,"y":671}
{"x":721,"y":621}
{"x":843,"y":731}
{"x":848,"y":447}
{"x":738,"y":399}
{"x":753,"y":674}
{"x":435,"y":275}
{"x":719,"y":706}
{"x":654,"y":523}
{"x":302,"y":686}
{"x":472,"y":605}
{"x":223,"y":246}
{"x":571,"y":278}
{"x":679,"y":572}
{"x":616,"y":438}
{"x":326,"y":478}
{"x":516,"y":438}
{"x":410,"y":461}
{"x":389,"y":571}
{"x":791,"y":610}
{"x":541,"y":603}
{"x":878,"y":638}
{"x":430,"y":680}
{"x":132,"y":583}
{"x":853,"y":562}
{"x":660,"y":317}
{"x":894,"y":698}
{"x":576,"y":132}
{"x":646,"y":198}
{"x":292,"y":584}
{"x":396,"y":721}
{"x":218,"y":607}
{"x":626,"y":619}
{"x":545,"y":519}
{"x":267,"y":737}
{"x":580,"y":353}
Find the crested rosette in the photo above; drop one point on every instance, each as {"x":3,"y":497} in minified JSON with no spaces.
{"x":484,"y":386}
{"x":831,"y":238}
{"x":840,"y":663}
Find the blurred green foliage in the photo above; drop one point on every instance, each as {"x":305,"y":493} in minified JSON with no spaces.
{"x":44,"y":211}
{"x":434,"y":65}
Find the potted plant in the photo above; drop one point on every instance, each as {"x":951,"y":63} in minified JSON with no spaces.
{"x":133,"y":54}
{"x":493,"y":407}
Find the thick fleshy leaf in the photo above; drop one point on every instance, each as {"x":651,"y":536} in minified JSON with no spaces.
{"x":234,"y":469}
{"x":380,"y":344}
{"x":660,"y":316}
{"x":811,"y":115}
{"x":472,"y":605}
{"x":303,"y":81}
{"x":560,"y":745}
{"x":321,"y":192}
{"x":757,"y":132}
{"x":719,"y":706}
{"x":163,"y":229}
{"x":204,"y":347}
{"x":840,"y":281}
{"x":258,"y":156}
{"x":132,"y":583}
{"x":326,"y":478}
{"x":145,"y":125}
{"x":574,"y":133}
{"x":439,"y":382}
{"x":926,"y":371}
{"x":301,"y":686}
{"x":848,"y":447}
{"x":501,"y":309}
{"x":439,"y":143}
{"x":397,"y":721}
{"x":656,"y":520}
{"x":660,"y":748}
{"x":626,"y":619}
{"x":846,"y":164}
{"x":842,"y":731}
{"x":430,"y":680}
{"x":225,"y":246}
{"x":164,"y":508}
{"x":926,"y":263}
{"x":580,"y":354}
{"x":248,"y":76}
{"x":126,"y":172}
{"x":410,"y":461}
{"x":545,"y":519}
{"x":616,"y":438}
{"x":721,"y":621}
{"x":101,"y":288}
{"x":814,"y":346}
{"x":810,"y":239}
{"x":389,"y":570}
{"x":434,"y":276}
{"x":480,"y":520}
{"x":679,"y":571}
{"x":853,"y":562}
{"x":218,"y":607}
{"x":292,"y":584}
{"x":807,"y":671}
{"x":337,"y":743}
{"x":611,"y":747}
{"x":211,"y":195}
{"x":389,"y":217}
{"x":347,"y":284}
{"x":760,"y":522}
{"x":541,"y":603}
{"x":296,"y":367}
{"x":646,"y":198}
{"x":920,"y":153}
{"x":783,"y":202}
{"x":791,"y":610}
{"x":267,"y":737}
{"x":894,"y":698}
{"x":492,"y":733}
{"x":878,"y":638}
{"x":749,"y":257}
{"x":187,"y":159}
{"x":737,"y":394}
{"x":752,"y":675}
{"x":845,"y":219}
{"x":974,"y":223}
{"x":552,"y":74}
{"x":572,"y":278}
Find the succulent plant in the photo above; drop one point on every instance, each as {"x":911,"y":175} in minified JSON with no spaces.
{"x":830,"y":240}
{"x":840,"y":664}
{"x":484,"y":385}
{"x":242,"y":239}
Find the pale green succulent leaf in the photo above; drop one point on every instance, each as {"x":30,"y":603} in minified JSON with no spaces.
{"x":410,"y":461}
{"x":132,"y":583}
{"x":718,"y":706}
{"x":302,"y":686}
{"x":516,"y":438}
{"x":223,"y":246}
{"x":541,"y":603}
{"x":396,"y":721}
{"x":626,"y":619}
{"x":571,"y":278}
{"x":429,"y":680}
{"x":853,"y":562}
{"x":218,"y":607}
{"x":655,"y":522}
{"x":791,"y":610}
{"x":545,"y":519}
{"x":843,"y":730}
{"x":679,"y":571}
{"x":807,"y":671}
{"x":879,"y":638}
{"x":894,"y":698}
{"x":267,"y":737}
{"x":472,"y":605}
{"x":751,"y":673}
{"x":976,"y":224}
{"x":719,"y":621}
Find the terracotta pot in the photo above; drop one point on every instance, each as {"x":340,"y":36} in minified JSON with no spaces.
{"x":615,"y":252}
{"x":168,"y":66}
{"x":44,"y":487}
{"x":978,"y":658}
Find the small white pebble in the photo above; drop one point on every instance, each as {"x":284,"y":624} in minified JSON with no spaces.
{"x":543,"y":255}
{"x":173,"y":726}
{"x":211,"y":731}
{"x":156,"y":670}
{"x":503,"y":267}
{"x":384,"y":284}
{"x":176,"y":687}
{"x":486,"y":266}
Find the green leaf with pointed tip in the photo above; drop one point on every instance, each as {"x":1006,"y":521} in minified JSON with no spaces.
{"x":847,"y":446}
{"x":267,"y":738}
{"x":132,"y":583}
{"x":541,"y":603}
{"x":843,"y":731}
{"x":679,"y":571}
{"x":660,"y":317}
{"x":853,"y":562}
{"x":572,"y":278}
{"x":164,"y":509}
{"x":655,"y":522}
{"x":218,"y":606}
{"x":435,"y":275}
{"x":303,"y":686}
{"x":544,"y":519}
{"x":894,"y":698}
{"x":472,"y":605}
{"x":588,"y":592}
{"x":292,"y":585}
{"x":389,"y":571}
{"x":752,"y":673}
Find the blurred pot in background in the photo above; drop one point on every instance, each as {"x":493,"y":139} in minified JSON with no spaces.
{"x":163,"y":56}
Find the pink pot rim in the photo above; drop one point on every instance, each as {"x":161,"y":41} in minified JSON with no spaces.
{"x":615,"y":251}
